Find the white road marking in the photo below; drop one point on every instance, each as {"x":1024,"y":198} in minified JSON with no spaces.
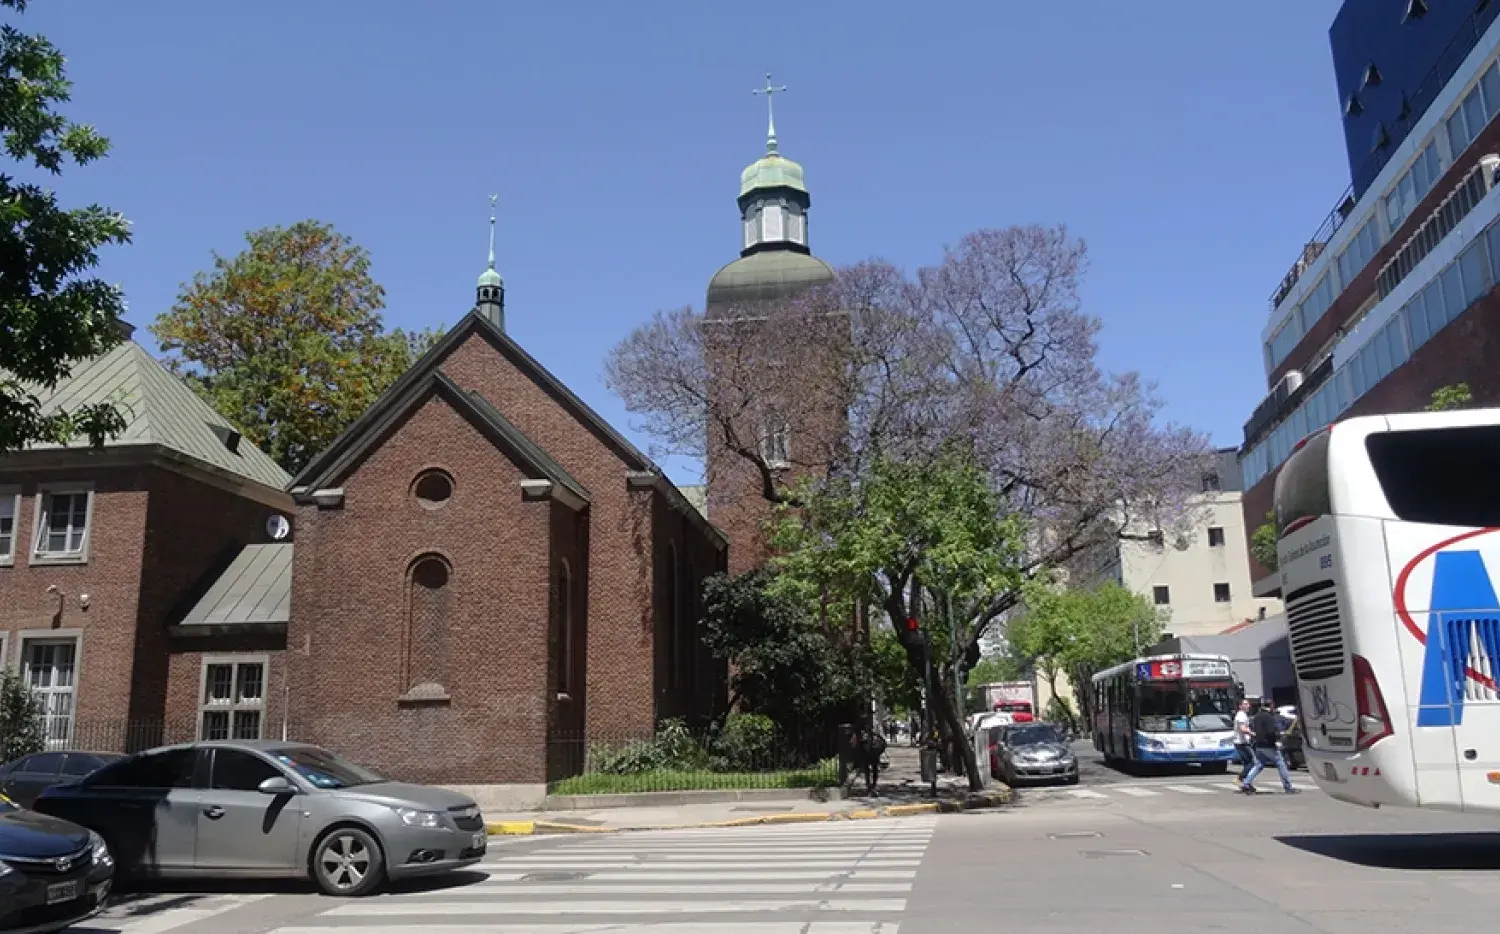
{"x":1138,"y":792}
{"x":1190,"y":789}
{"x":1085,"y":793}
{"x":499,"y":908}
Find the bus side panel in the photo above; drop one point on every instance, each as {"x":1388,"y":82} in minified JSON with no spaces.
{"x":1424,"y":694}
{"x":1449,"y":597}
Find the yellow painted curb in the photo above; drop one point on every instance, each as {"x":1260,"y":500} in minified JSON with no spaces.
{"x":904,"y":810}
{"x":505,"y":828}
{"x":865,"y":814}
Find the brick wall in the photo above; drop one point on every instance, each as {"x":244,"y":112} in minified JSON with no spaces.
{"x":690,"y":684}
{"x":111,"y":577}
{"x":620,"y":622}
{"x":350,"y":600}
{"x":193,"y":531}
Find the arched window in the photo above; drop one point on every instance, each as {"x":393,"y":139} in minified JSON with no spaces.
{"x":428,"y":596}
{"x":565,"y":628}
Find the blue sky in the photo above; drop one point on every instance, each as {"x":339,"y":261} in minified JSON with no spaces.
{"x":1193,"y":145}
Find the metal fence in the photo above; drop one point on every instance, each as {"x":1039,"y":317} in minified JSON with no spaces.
{"x":108,"y":735}
{"x":747,"y":753}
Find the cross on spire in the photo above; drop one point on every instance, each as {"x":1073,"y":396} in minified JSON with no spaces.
{"x":769,"y":91}
{"x":493,"y":199}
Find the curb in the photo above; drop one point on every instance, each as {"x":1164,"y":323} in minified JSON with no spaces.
{"x":998,"y":797}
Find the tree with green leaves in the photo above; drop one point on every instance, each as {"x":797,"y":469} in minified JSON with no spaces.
{"x":919,"y":541}
{"x":1082,"y":631}
{"x":1006,"y":667}
{"x":286,"y":338}
{"x":789,"y":663}
{"x":1263,"y":543}
{"x":53,"y":314}
{"x":21,"y":731}
{"x":1448,"y":398}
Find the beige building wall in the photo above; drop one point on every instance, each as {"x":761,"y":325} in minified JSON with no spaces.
{"x":1196,"y":568}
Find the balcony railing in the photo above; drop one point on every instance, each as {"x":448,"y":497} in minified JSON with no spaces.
{"x":1436,"y":79}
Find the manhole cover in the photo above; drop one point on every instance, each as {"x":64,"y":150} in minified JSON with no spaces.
{"x":1074,"y":834}
{"x":1103,"y":854}
{"x":555,"y":876}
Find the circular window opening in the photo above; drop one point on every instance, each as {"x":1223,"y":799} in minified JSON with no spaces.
{"x":430,"y":574}
{"x":433,"y":489}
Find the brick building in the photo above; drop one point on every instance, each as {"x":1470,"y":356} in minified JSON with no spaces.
{"x":486,"y":573}
{"x":105,"y":552}
{"x":1395,"y":296}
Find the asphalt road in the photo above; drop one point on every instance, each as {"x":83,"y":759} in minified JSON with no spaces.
{"x":1139,"y":855}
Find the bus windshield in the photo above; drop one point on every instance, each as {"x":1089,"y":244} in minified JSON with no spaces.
{"x":1302,"y":485}
{"x":1186,"y":706}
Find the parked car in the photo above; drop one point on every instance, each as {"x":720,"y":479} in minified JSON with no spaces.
{"x":1032,"y":752}
{"x":52,"y":873}
{"x":23,"y":779}
{"x":265,"y":809}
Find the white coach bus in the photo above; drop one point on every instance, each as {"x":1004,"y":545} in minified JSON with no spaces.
{"x":1387,"y":537}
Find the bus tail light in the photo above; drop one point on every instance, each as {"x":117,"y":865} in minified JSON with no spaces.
{"x":1372,"y":718}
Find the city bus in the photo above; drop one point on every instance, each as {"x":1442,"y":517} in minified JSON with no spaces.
{"x":1166,"y":709}
{"x":1386,"y":536}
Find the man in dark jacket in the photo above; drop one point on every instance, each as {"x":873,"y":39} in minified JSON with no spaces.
{"x":1267,"y":749}
{"x":868,"y":748}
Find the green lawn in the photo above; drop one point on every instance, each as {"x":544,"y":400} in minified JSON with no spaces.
{"x":823,"y":775}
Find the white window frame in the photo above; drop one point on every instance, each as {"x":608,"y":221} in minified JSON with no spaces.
{"x":73,"y":638}
{"x":12,"y":495}
{"x":42,"y":511}
{"x":234,"y":705}
{"x":778,"y":456}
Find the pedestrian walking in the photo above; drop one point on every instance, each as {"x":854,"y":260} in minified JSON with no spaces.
{"x":1266,"y":737}
{"x":1244,"y":739}
{"x":868,"y":748}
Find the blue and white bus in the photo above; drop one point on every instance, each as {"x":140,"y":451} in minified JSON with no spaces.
{"x":1167,"y":709}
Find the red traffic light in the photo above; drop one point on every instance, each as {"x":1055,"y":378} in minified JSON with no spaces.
{"x":911,"y":624}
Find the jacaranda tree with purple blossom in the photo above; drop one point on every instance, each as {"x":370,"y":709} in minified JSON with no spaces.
{"x":984,"y":365}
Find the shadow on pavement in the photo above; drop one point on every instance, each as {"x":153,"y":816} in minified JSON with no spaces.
{"x":1430,"y":851}
{"x":187,"y":891}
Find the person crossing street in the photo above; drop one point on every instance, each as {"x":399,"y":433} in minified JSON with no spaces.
{"x":1266,"y":737}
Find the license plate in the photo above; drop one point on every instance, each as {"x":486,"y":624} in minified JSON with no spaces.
{"x":62,"y":892}
{"x":481,"y":839}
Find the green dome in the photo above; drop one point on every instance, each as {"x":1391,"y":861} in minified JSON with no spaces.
{"x":490,"y":277}
{"x":770,"y":275}
{"x":771,"y":171}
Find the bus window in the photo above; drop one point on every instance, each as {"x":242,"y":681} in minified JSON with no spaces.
{"x":1442,"y":476}
{"x":1302,"y":485}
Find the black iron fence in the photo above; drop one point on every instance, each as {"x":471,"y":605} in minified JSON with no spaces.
{"x":745,"y":753}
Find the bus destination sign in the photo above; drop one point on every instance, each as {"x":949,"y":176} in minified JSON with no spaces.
{"x":1170,"y":669}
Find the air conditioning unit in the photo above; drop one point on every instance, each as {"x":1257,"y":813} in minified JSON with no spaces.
{"x":1287,"y":385}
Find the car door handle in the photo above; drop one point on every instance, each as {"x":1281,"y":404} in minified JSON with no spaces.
{"x":213,"y":812}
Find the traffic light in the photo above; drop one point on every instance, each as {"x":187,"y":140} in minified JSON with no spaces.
{"x":911,"y":633}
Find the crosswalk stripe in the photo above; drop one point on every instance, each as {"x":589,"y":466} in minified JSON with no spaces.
{"x":646,"y":874}
{"x":832,"y":885}
{"x":592,"y":927}
{"x":1190,"y":789}
{"x":1085,"y":793}
{"x":1139,"y":792}
{"x":592,"y":865}
{"x":669,"y":857}
{"x":450,"y":908}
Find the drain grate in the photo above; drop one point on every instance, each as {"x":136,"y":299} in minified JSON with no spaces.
{"x":1105,"y":854}
{"x":555,"y":876}
{"x":1074,"y":834}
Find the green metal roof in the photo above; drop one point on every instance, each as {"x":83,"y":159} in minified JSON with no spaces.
{"x":159,"y":409}
{"x":490,"y":277}
{"x":770,"y":275}
{"x":255,"y":588}
{"x":697,"y":497}
{"x":772,"y":171}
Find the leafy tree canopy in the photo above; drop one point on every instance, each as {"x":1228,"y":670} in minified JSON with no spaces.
{"x":1448,"y":398}
{"x":1263,"y":543}
{"x":53,"y":314}
{"x":286,"y":338}
{"x":1082,"y":631}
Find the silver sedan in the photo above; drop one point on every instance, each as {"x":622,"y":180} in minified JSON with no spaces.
{"x":265,"y":809}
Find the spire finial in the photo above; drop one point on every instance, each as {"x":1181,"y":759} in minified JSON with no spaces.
{"x":769,"y":91}
{"x":493,"y":199}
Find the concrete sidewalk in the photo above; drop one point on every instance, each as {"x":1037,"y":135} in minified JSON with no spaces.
{"x":737,"y":814}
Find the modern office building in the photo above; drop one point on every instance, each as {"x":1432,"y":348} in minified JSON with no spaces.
{"x":1393,"y":297}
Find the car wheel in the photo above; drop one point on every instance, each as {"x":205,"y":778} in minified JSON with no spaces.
{"x":348,"y":862}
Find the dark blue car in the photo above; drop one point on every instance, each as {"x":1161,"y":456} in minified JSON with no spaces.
{"x":52,"y":873}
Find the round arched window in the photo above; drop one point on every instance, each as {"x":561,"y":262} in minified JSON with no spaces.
{"x":431,"y":573}
{"x":432,"y":488}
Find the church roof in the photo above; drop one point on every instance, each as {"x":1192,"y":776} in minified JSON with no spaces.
{"x":255,"y":590}
{"x":772,"y":170}
{"x":351,"y":448}
{"x":769,"y":275}
{"x":364,"y":431}
{"x":161,"y":410}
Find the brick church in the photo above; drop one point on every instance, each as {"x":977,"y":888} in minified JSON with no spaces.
{"x":476,"y":579}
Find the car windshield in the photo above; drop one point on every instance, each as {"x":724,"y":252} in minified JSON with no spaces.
{"x":1034,"y":735}
{"x":323,"y":768}
{"x":1186,"y":706}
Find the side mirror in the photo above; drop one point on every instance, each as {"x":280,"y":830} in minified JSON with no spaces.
{"x":277,"y":785}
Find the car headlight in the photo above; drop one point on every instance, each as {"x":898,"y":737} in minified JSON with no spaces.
{"x":1226,"y":741}
{"x":101,"y":850}
{"x":1155,"y":744}
{"x":411,"y":817}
